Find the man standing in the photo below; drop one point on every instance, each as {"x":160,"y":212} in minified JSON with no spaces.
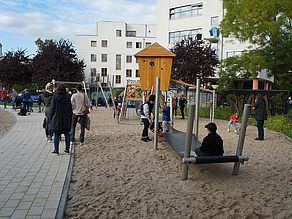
{"x":260,"y":115}
{"x":5,"y":97}
{"x":182,"y":104}
{"x":78,"y":100}
{"x":145,"y":117}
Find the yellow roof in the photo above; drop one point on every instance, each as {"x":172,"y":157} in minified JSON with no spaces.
{"x":155,"y":50}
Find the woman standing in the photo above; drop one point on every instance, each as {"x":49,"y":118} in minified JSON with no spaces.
{"x":48,"y":95}
{"x":61,"y":117}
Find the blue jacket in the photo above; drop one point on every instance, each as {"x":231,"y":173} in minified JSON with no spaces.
{"x":166,"y":114}
{"x":26,"y":96}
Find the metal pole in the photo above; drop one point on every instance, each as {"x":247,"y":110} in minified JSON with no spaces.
{"x":113,"y":100}
{"x":156,"y":120}
{"x":196,"y":128}
{"x":171,"y":109}
{"x":213,"y":105}
{"x":241,"y":137}
{"x":83,"y":83}
{"x":103,"y":94}
{"x":188,"y":143}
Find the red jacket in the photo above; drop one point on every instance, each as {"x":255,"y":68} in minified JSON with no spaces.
{"x":4,"y":94}
{"x":234,"y":118}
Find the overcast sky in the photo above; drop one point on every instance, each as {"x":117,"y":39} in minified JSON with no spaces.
{"x":23,"y":21}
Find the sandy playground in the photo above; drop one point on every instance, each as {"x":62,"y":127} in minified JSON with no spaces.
{"x":116,"y":175}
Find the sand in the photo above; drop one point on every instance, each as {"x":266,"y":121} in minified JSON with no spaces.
{"x":7,"y":120}
{"x":116,"y":175}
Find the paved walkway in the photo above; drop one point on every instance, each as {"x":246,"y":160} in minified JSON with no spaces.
{"x":31,"y":177}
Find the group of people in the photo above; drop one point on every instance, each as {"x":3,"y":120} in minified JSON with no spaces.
{"x":212,"y":144}
{"x":62,"y":113}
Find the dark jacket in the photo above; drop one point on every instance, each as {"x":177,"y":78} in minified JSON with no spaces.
{"x":212,"y":145}
{"x":47,"y":102}
{"x":182,"y":102}
{"x":61,"y":113}
{"x":260,"y":107}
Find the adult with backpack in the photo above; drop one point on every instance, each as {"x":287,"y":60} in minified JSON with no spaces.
{"x":145,"y":115}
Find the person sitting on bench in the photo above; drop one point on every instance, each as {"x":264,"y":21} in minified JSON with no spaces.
{"x":212,"y":144}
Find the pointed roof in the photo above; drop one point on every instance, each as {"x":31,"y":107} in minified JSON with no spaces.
{"x":155,"y":50}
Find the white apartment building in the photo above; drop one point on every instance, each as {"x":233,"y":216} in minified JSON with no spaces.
{"x":108,"y":54}
{"x":179,"y":19}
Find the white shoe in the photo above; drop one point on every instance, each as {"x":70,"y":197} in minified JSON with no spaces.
{"x":228,"y":130}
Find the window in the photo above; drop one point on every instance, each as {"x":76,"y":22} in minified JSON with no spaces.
{"x":185,"y":11}
{"x":214,"y":21}
{"x":181,"y":35}
{"x":93,"y":43}
{"x":103,"y":57}
{"x":137,"y":73}
{"x":233,"y":53}
{"x":118,"y":79}
{"x":138,"y":45}
{"x":104,"y":43}
{"x":118,"y":33}
{"x":129,"y":59}
{"x":148,"y":44}
{"x":129,"y":45}
{"x":118,"y":62}
{"x":93,"y":57}
{"x":129,"y":73}
{"x":131,"y":33}
{"x":103,"y":72}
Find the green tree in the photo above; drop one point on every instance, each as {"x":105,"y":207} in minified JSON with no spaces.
{"x":15,"y":68}
{"x":268,"y":25}
{"x":56,"y":60}
{"x":193,"y":60}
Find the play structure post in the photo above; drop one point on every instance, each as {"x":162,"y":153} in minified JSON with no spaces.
{"x":103,"y":94}
{"x":113,"y":100}
{"x":213,"y":105}
{"x":241,"y":137}
{"x":171,"y":110}
{"x":196,"y":128}
{"x":156,"y":112}
{"x":188,"y":143}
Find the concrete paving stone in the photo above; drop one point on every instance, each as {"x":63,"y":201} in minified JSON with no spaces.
{"x":47,"y":183}
{"x":19,"y":214}
{"x":25,"y":183}
{"x":4,"y":217}
{"x":6,"y":211}
{"x":17,"y":180}
{"x":52,"y":205}
{"x":4,"y":198}
{"x":27,"y":197}
{"x":2,"y":204}
{"x":39,"y":202}
{"x":21,"y":189}
{"x":18,"y":195}
{"x":45,"y":188}
{"x":12,"y":185}
{"x":8,"y":191}
{"x":12,"y":203}
{"x":23,"y":205}
{"x":48,"y":214}
{"x":32,"y":217}
{"x":43,"y":195}
{"x":32,"y":191}
{"x":4,"y":182}
{"x":1,"y":188}
{"x":35,"y":211}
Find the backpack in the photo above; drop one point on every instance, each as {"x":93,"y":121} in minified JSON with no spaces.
{"x":22,"y":112}
{"x":140,"y":111}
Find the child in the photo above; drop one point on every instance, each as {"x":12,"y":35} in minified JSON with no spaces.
{"x":233,"y":121}
{"x":165,"y":119}
{"x":212,"y":144}
{"x":119,"y":109}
